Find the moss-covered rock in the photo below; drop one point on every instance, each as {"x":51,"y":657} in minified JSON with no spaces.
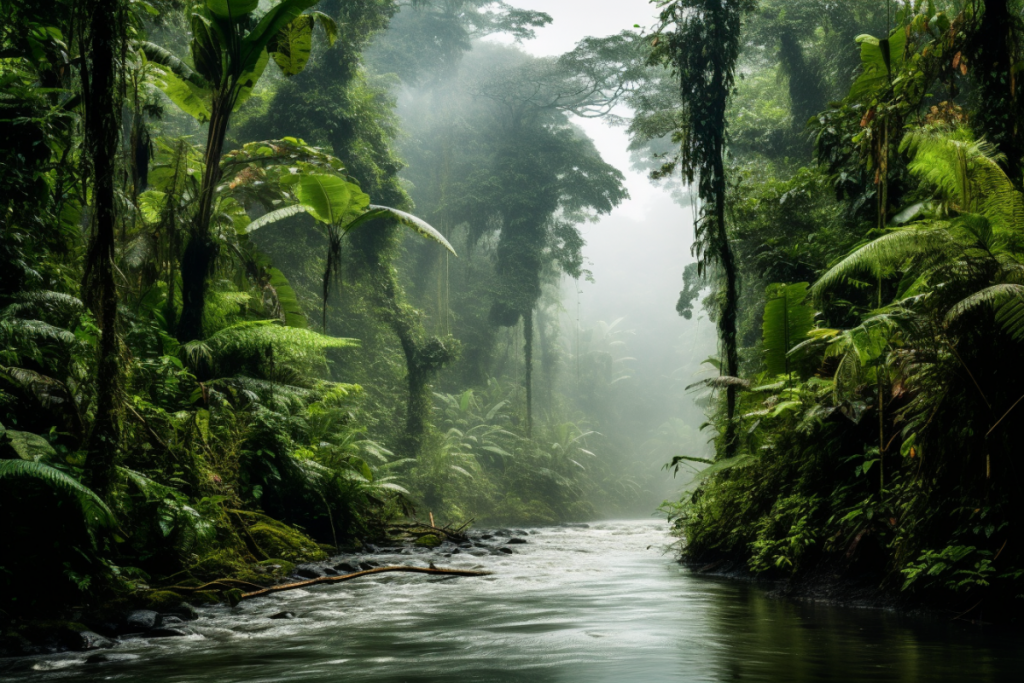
{"x":429,"y":541}
{"x":164,"y":601}
{"x":279,"y":540}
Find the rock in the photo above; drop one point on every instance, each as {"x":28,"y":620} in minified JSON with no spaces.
{"x":346,"y":567}
{"x":173,"y":622}
{"x":83,"y":641}
{"x":507,"y":551}
{"x":487,"y":537}
{"x":330,"y":571}
{"x":366,"y":566}
{"x":516,"y":541}
{"x":502,"y":532}
{"x":166,"y":633}
{"x":307,"y":571}
{"x":141,"y":620}
{"x":466,"y":545}
{"x":183,"y":611}
{"x":372,"y":548}
{"x":282,"y":615}
{"x":428,"y":541}
{"x":107,"y":657}
{"x":479,"y":552}
{"x":455,"y":551}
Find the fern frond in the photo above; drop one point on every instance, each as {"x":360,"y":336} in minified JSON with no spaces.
{"x":1007,"y":300}
{"x":93,"y":508}
{"x":883,"y":255}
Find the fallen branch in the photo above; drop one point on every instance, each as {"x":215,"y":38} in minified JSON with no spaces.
{"x":430,"y":529}
{"x":338,"y":579}
{"x":206,"y":586}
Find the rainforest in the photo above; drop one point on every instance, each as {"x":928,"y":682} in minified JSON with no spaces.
{"x":546,"y":340}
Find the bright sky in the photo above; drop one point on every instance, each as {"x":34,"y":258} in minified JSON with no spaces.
{"x":637,"y":254}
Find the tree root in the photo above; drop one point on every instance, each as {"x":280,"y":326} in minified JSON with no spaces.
{"x":338,"y":579}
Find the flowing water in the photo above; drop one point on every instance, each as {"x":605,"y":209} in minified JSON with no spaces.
{"x":604,"y":603}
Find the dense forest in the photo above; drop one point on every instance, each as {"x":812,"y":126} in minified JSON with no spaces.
{"x":278,"y":276}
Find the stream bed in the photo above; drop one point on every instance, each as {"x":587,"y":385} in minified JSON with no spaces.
{"x":574,"y":604}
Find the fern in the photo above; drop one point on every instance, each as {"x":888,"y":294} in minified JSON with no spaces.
{"x":94,"y":510}
{"x":1006,"y":299}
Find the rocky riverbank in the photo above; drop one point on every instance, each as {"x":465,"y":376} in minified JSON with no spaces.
{"x":172,"y":614}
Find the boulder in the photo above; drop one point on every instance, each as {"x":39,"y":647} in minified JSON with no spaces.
{"x":308,"y":571}
{"x":506,"y":551}
{"x":346,"y":567}
{"x":515,"y":541}
{"x":141,"y":620}
{"x":84,"y":641}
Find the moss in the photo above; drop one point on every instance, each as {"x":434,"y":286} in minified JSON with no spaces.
{"x":162,"y":601}
{"x":285,"y":567}
{"x":204,"y":598}
{"x":279,"y":540}
{"x":428,"y":541}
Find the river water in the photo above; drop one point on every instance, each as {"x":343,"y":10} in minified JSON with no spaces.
{"x":604,"y":603}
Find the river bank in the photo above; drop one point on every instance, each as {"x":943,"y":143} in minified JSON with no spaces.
{"x":604,"y":603}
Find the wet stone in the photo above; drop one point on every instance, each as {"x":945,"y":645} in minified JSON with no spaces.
{"x":141,"y":620}
{"x":516,"y":541}
{"x":167,"y":633}
{"x":282,"y":615}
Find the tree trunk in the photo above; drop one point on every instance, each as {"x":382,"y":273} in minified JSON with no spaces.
{"x":201,"y":251}
{"x":528,"y":352}
{"x":102,"y":128}
{"x":727,"y":321}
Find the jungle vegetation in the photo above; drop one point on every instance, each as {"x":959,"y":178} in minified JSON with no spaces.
{"x":278,"y":274}
{"x":867,"y":427}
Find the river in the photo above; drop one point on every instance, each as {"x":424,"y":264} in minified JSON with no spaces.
{"x":604,"y":603}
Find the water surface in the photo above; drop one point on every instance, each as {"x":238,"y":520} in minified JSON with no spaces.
{"x":574,"y":605}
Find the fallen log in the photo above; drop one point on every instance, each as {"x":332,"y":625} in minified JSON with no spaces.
{"x":347,"y":577}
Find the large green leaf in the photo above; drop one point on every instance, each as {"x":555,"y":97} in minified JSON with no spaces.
{"x":232,"y":9}
{"x":418,"y":225}
{"x":286,"y":297}
{"x":276,"y":215}
{"x":248,"y":80}
{"x":206,"y":44}
{"x":329,"y":198}
{"x":787,"y":320}
{"x":878,"y":60}
{"x":272,"y":22}
{"x":95,"y":510}
{"x":29,"y":446}
{"x":290,"y":47}
{"x":191,"y":99}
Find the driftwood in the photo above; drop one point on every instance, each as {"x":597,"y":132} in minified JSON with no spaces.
{"x":426,"y":529}
{"x":338,"y":579}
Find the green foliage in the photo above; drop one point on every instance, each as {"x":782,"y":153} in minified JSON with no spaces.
{"x":787,"y":320}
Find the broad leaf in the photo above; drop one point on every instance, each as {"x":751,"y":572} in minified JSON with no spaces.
{"x":787,"y":320}
{"x":287,"y":299}
{"x":29,"y":446}
{"x":272,"y":22}
{"x":329,"y":198}
{"x":232,"y":9}
{"x":407,"y":219}
{"x":276,"y":215}
{"x":189,"y":98}
{"x":290,"y":47}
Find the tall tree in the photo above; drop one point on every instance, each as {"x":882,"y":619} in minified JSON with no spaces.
{"x":107,"y":23}
{"x":700,"y":41}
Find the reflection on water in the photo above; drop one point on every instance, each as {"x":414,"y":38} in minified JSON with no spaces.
{"x":573,"y":605}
